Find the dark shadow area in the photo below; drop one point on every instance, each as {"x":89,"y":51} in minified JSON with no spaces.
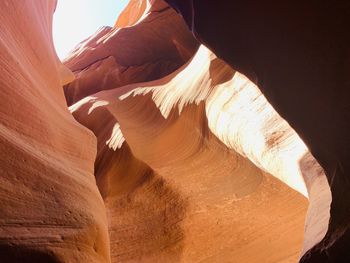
{"x":21,"y":254}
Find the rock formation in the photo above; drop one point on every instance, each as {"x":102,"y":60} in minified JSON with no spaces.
{"x":50,"y":207}
{"x":298,"y":54}
{"x":149,"y":121}
{"x":191,"y":162}
{"x":115,"y":57}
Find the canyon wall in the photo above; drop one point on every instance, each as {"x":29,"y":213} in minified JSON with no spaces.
{"x":216,"y":145}
{"x":50,"y":207}
{"x":297,"y":52}
{"x":115,"y":57}
{"x":185,"y":160}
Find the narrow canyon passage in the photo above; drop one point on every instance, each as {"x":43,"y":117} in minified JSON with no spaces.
{"x":165,"y":153}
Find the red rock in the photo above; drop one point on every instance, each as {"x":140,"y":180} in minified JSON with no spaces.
{"x":114,"y":57}
{"x":51,"y":210}
{"x":155,"y":145}
{"x":192,"y":162}
{"x":132,"y":13}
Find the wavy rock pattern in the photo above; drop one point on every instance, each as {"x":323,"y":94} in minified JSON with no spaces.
{"x":115,"y":57}
{"x":205,"y":138}
{"x":302,"y":66}
{"x":192,"y":163}
{"x":195,"y":183}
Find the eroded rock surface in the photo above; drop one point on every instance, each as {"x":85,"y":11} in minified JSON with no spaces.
{"x":147,"y":50}
{"x":211,"y":138}
{"x":192,"y":164}
{"x":195,"y":200}
{"x":298,"y":54}
{"x":50,"y":207}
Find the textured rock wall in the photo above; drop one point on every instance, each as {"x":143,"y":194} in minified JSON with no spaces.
{"x":191,"y":198}
{"x":50,"y":207}
{"x":298,"y":54}
{"x":192,"y":164}
{"x":198,"y":147}
{"x":115,"y":57}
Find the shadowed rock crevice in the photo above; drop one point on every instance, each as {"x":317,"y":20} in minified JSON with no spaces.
{"x":18,"y":254}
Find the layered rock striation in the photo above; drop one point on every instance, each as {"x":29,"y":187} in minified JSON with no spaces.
{"x":50,"y":207}
{"x":298,"y":54}
{"x":115,"y":57}
{"x":185,"y":160}
{"x":171,"y":129}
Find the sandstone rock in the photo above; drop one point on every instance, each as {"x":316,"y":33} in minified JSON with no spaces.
{"x":198,"y":202}
{"x":154,"y":140}
{"x":50,"y":207}
{"x":154,"y":47}
{"x":193,"y":164}
{"x":132,"y":13}
{"x":297,"y":52}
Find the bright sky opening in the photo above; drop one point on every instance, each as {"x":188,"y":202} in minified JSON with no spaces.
{"x":75,"y":20}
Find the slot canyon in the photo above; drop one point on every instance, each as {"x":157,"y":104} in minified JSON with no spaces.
{"x":191,"y":131}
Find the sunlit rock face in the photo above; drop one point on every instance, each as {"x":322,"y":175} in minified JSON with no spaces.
{"x":301,"y":65}
{"x":173,"y":191}
{"x":50,"y":207}
{"x":197,"y":165}
{"x":132,"y":13}
{"x":191,"y":163}
{"x":130,"y":53}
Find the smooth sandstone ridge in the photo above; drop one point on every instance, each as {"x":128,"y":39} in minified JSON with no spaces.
{"x":213,"y":141}
{"x":186,"y":160}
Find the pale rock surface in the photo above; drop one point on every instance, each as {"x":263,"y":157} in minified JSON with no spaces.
{"x":132,"y":13}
